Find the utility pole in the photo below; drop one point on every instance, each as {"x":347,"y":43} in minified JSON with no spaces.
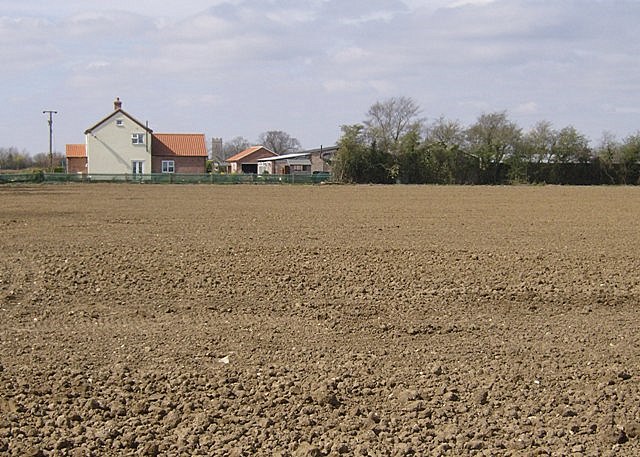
{"x":50,"y":113}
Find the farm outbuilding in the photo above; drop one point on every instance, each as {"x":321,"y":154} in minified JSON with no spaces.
{"x":304,"y":162}
{"x":321,"y":158}
{"x":76,"y":158}
{"x":287,"y":164}
{"x":247,"y":161}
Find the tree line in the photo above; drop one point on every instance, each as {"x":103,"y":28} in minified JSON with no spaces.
{"x":13,"y":159}
{"x":395,"y":145}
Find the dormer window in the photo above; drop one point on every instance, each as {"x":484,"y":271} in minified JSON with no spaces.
{"x":120,"y":122}
{"x":137,"y":138}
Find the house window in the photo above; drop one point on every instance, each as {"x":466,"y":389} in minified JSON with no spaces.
{"x":168,"y":166}
{"x":137,"y":138}
{"x":119,"y":122}
{"x":300,"y":168}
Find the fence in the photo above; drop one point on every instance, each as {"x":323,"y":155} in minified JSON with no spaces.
{"x":165,"y":178}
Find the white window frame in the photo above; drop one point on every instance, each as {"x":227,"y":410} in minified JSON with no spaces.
{"x":137,"y":167}
{"x":120,"y":122}
{"x":168,"y":166}
{"x":137,"y":138}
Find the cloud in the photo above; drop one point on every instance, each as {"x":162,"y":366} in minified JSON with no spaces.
{"x":527,"y":108}
{"x":239,"y":64}
{"x":634,"y":110}
{"x":97,"y":25}
{"x":373,"y":16}
{"x":26,"y":44}
{"x":349,"y":55}
{"x":343,"y":85}
{"x":291,"y":17}
{"x":99,"y":65}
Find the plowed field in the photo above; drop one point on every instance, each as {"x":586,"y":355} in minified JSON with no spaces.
{"x":319,"y":320}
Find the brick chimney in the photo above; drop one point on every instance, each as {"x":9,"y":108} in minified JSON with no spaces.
{"x":117,"y":104}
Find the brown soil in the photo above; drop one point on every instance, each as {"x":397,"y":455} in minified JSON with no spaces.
{"x":317,"y":321}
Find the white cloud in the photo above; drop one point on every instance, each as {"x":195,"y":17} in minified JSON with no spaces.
{"x":26,"y":44}
{"x":460,"y":3}
{"x":632,"y":110}
{"x":342,"y":85}
{"x":373,"y":16}
{"x":290,"y":17}
{"x":527,"y":108}
{"x":231,"y":65}
{"x":349,"y":55}
{"x":98,"y":65}
{"x":109,"y":24}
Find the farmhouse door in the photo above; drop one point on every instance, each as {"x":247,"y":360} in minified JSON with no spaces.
{"x":138,"y":167}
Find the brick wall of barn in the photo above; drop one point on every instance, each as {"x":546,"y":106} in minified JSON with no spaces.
{"x":76,"y":164}
{"x":186,"y":165}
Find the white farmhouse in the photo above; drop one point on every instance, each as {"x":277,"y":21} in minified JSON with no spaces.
{"x":119,"y":143}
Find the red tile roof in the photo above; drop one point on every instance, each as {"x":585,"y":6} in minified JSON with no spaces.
{"x":179,"y":144}
{"x":76,"y":150}
{"x":247,"y":152}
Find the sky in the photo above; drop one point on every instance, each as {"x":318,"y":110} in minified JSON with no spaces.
{"x":230,"y":68}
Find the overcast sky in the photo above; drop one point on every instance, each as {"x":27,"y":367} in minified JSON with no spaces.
{"x":243,"y":67}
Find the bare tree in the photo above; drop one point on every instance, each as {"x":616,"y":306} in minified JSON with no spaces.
{"x":43,"y":160}
{"x":234,"y":146}
{"x":388,"y":121}
{"x":445,"y":132}
{"x":279,"y":142}
{"x":13,"y":159}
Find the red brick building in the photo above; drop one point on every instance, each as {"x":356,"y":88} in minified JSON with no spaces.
{"x":76,"y":158}
{"x":178,"y":153}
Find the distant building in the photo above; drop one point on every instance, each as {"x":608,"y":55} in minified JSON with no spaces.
{"x":217,"y":150}
{"x":260,"y":160}
{"x":321,"y":158}
{"x":247,"y":161}
{"x":286,"y":164}
{"x":305,"y":162}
